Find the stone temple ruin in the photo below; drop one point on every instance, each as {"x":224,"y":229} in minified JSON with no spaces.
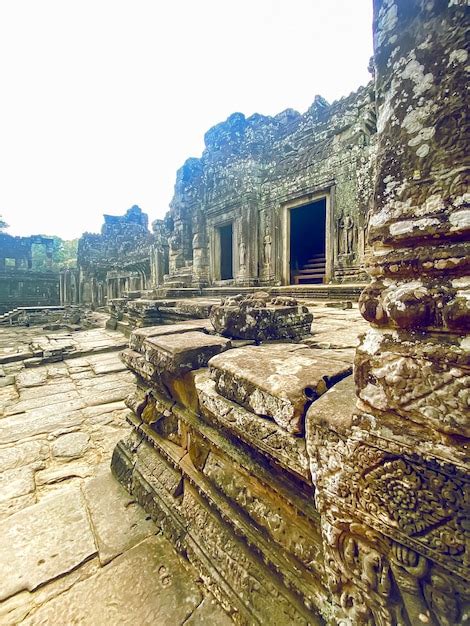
{"x":272,"y":201}
{"x":20,"y":282}
{"x":302,"y":478}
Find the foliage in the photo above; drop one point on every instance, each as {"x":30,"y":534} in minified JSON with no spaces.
{"x":64,"y":254}
{"x":3,"y":224}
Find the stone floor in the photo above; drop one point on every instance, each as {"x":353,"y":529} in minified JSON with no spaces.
{"x":75,"y":548}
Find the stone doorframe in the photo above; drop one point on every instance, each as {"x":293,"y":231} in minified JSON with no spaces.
{"x":214,"y":261}
{"x":329,"y":231}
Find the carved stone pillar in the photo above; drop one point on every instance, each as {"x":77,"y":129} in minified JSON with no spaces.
{"x":392,"y":483}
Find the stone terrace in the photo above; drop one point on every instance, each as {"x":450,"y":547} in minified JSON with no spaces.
{"x":72,"y":538}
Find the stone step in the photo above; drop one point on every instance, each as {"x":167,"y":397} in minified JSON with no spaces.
{"x":309,"y":278}
{"x":311,"y":270}
{"x":317,"y":257}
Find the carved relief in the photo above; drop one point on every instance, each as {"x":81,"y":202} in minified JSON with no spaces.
{"x":346,"y":234}
{"x":267,"y":247}
{"x":242,"y":254}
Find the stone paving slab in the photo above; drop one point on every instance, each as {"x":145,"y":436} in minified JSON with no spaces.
{"x":22,"y":454}
{"x":64,"y":521}
{"x":44,"y":541}
{"x":148,"y":585}
{"x":125,"y":528}
{"x":24,"y":425}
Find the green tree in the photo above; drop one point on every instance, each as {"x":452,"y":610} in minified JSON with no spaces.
{"x":64,"y":254}
{"x":3,"y":224}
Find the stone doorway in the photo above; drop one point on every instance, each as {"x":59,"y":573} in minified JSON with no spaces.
{"x":226,"y":251}
{"x":307,"y":242}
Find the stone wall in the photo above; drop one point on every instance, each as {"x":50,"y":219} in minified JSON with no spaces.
{"x":253,"y":173}
{"x":393,"y":480}
{"x":116,"y":261}
{"x":20,"y":283}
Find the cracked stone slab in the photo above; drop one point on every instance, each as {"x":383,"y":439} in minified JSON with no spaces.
{"x":16,"y":482}
{"x":181,"y":352}
{"x":70,"y":445}
{"x":278,"y":381}
{"x":127,"y":526}
{"x":23,"y":454}
{"x":149,"y":584}
{"x":44,"y":541}
{"x":25,"y":425}
{"x":138,"y":337}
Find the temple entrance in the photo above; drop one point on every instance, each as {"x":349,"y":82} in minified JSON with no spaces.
{"x":308,"y":243}
{"x":226,"y":251}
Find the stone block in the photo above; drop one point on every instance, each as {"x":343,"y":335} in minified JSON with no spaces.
{"x":126,"y":527}
{"x":138,"y":337}
{"x":277,"y":381}
{"x":262,"y":434}
{"x":150,"y":584}
{"x":257,"y":318}
{"x":182,"y":352}
{"x":44,"y":541}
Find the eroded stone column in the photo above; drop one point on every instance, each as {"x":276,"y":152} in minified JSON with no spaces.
{"x":392,"y":483}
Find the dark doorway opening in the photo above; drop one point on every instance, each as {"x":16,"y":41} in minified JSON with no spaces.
{"x":308,"y":243}
{"x":226,"y":251}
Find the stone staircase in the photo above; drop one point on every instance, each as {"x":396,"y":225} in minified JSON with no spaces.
{"x":9,"y":316}
{"x":313,"y":271}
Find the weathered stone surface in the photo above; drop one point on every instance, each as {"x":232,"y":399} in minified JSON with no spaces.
{"x":419,"y":380}
{"x":31,"y":378}
{"x":138,"y":336}
{"x":148,"y":585}
{"x":276,"y":381}
{"x":209,"y":612}
{"x":44,"y":541}
{"x":12,"y":505}
{"x":182,"y":352}
{"x":126,"y":527}
{"x":264,"y":435}
{"x":392,"y":478}
{"x":108,"y":367}
{"x":48,"y":420}
{"x":46,"y":392}
{"x":67,"y":399}
{"x":16,"y":482}
{"x":71,"y":445}
{"x":244,"y":583}
{"x":23,"y":454}
{"x":260,"y":318}
{"x":62,"y":473}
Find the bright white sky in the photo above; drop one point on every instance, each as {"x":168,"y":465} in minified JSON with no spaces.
{"x":102,"y":100}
